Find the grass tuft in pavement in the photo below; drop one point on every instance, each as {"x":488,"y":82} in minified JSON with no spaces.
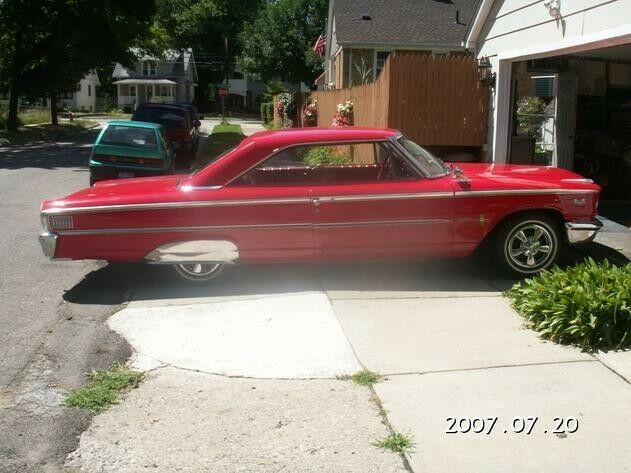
{"x":363,"y":378}
{"x":396,"y":442}
{"x":103,"y":388}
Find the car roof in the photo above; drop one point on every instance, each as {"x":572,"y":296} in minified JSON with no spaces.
{"x":291,"y":136}
{"x":135,"y":124}
{"x":161,"y":105}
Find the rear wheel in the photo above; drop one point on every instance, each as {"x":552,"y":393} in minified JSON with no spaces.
{"x":199,"y":271}
{"x":527,"y":244}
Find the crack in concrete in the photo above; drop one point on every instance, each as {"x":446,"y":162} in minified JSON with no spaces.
{"x":484,"y":368}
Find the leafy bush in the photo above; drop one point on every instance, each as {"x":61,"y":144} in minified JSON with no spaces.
{"x":323,"y":155}
{"x":267,"y":112}
{"x":588,"y":305}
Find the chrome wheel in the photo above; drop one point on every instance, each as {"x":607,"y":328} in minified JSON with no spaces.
{"x":199,"y":271}
{"x":530,"y":246}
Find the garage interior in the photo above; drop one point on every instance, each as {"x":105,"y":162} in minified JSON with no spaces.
{"x":574,"y":112}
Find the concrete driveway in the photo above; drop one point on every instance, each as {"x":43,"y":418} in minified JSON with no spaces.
{"x":242,"y":376}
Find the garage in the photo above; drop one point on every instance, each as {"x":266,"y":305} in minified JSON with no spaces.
{"x":574,"y":111}
{"x":561,"y":89}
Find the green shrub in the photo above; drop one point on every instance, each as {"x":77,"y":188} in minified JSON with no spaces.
{"x":323,"y":155}
{"x":588,"y":305}
{"x":267,"y":112}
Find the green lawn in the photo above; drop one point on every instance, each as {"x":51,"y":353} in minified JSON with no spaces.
{"x":47,"y":132}
{"x":223,"y":138}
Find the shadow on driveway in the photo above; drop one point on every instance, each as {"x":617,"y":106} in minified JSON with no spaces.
{"x":117,"y":283}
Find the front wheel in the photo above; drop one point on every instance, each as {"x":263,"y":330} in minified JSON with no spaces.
{"x":199,"y":272}
{"x":527,"y":244}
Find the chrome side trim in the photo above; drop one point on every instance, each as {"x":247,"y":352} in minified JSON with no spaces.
{"x":428,"y":221}
{"x":524,"y":192}
{"x":367,"y":198}
{"x":219,"y":228}
{"x":48,"y":242}
{"x":174,"y":205}
{"x":306,"y":200}
{"x":582,"y":232}
{"x":197,"y":251}
{"x":106,"y":231}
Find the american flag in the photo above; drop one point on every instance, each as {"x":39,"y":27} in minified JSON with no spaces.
{"x":320,"y":45}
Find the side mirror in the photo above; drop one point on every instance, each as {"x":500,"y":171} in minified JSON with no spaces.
{"x":197,"y":123}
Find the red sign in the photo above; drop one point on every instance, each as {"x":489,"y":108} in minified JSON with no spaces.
{"x":223,"y":92}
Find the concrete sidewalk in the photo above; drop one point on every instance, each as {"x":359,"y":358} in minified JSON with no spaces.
{"x":242,"y":377}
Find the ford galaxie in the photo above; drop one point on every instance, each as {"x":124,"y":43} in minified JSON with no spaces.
{"x":321,"y":194}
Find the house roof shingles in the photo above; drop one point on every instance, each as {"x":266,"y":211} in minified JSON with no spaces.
{"x":403,"y":22}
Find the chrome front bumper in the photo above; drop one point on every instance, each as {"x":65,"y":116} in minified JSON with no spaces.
{"x":48,"y":241}
{"x":582,"y":232}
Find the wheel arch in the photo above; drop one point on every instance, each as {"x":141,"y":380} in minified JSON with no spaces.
{"x":553,"y":213}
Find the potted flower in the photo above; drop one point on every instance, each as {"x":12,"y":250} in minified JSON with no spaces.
{"x":310,"y":117}
{"x":344,"y":114}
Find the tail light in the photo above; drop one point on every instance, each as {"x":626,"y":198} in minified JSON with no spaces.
{"x":60,"y":222}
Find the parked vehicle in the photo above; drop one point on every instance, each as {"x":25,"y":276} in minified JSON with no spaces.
{"x":181,"y":129}
{"x":127,"y":149}
{"x":318,"y":194}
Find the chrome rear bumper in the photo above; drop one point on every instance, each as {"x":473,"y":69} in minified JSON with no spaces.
{"x":48,"y":242}
{"x":582,"y":232}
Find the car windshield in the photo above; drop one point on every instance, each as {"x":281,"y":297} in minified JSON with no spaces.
{"x":426,"y":161}
{"x":129,"y":136}
{"x":168,"y":118}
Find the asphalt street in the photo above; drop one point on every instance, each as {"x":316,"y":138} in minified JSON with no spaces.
{"x":51,"y":330}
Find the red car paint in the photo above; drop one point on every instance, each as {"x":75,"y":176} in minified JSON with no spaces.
{"x":440,"y":217}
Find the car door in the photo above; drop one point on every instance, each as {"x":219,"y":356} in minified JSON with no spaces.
{"x":394,"y":213}
{"x":265,"y":223}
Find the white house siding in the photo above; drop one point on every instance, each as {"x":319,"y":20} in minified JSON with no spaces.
{"x":517,"y":30}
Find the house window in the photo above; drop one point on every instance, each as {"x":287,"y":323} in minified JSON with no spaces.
{"x":89,"y":90}
{"x":543,"y":86}
{"x":380,"y":61}
{"x":67,"y":95}
{"x":148,"y":68}
{"x":164,"y":91}
{"x":132,"y":90}
{"x":4,"y":95}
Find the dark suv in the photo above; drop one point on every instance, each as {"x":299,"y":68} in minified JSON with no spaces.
{"x":182,"y":129}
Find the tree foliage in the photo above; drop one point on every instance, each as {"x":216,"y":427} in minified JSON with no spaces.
{"x":47,"y":46}
{"x":210,"y":27}
{"x":278,"y":43}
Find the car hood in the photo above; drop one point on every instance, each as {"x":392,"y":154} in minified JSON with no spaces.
{"x":119,"y":192}
{"x":503,"y":176}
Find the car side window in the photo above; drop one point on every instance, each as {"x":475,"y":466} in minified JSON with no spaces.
{"x":341,"y":163}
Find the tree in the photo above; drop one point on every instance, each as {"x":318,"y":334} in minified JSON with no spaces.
{"x":211,"y":28}
{"x":278,"y":43}
{"x":47,"y":46}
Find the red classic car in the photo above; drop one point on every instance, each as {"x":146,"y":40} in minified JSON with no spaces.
{"x":322,"y":194}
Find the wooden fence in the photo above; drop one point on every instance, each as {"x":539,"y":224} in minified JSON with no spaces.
{"x":436,"y":101}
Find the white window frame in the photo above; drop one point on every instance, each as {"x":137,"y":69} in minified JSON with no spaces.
{"x":374,"y":62}
{"x":149,"y":68}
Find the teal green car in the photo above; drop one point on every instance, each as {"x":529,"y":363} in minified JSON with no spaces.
{"x":131,"y":149}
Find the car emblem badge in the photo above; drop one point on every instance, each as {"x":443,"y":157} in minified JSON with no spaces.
{"x":483,"y":220}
